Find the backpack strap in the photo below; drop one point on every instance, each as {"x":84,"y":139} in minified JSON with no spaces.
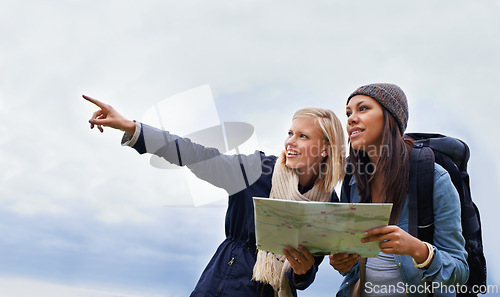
{"x":420,"y":192}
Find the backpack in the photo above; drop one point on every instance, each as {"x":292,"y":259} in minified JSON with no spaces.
{"x":452,"y":154}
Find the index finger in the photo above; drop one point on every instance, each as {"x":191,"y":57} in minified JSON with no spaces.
{"x":301,"y":254}
{"x":378,"y":230}
{"x":305,"y":251}
{"x":292,"y":251}
{"x":339,"y":256}
{"x":95,"y":101}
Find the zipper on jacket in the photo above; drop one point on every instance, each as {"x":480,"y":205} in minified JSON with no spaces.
{"x":220,"y":288}
{"x":224,"y":281}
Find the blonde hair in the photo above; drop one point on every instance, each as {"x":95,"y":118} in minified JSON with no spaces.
{"x":333,"y":167}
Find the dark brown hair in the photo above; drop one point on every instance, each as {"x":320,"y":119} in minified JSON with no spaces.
{"x":393,"y":165}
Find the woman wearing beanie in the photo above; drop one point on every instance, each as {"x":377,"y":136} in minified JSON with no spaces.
{"x":377,"y":115}
{"x":308,"y":169}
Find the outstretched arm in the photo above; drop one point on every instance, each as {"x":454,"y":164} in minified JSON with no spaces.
{"x":109,"y":117}
{"x":232,"y":173}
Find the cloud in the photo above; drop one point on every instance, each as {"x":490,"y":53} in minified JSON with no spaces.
{"x":27,"y":288}
{"x":77,"y":208}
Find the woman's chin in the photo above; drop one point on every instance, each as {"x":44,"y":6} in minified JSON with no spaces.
{"x":293,"y":164}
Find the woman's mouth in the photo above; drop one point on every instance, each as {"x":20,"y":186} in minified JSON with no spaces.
{"x":355,"y":132}
{"x":291,"y":154}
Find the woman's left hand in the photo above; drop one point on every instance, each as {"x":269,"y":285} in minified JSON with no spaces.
{"x":301,"y":260}
{"x":394,"y":240}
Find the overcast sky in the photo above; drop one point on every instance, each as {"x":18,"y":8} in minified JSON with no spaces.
{"x":82,"y":216}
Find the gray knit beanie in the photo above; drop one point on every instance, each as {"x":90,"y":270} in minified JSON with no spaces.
{"x":389,"y":96}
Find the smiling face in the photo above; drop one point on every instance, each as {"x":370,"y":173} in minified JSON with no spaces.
{"x":305,"y":147}
{"x":365,"y":123}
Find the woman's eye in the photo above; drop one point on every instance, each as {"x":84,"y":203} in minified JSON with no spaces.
{"x":361,"y":108}
{"x":290,"y":133}
{"x":348,"y":113}
{"x":303,"y":136}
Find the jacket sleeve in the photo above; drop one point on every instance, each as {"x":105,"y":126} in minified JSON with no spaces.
{"x":230,"y":172}
{"x":449,"y":265}
{"x":350,"y":278}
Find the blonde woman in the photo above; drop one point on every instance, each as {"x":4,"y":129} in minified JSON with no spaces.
{"x":308,"y":169}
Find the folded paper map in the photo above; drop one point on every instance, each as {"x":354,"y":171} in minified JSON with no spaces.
{"x":321,"y":227}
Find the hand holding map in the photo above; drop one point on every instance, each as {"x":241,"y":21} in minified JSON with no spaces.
{"x":321,"y":227}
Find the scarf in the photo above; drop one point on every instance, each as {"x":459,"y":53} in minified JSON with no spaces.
{"x":270,"y":268}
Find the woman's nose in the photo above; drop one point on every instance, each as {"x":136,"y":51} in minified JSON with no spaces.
{"x":353,"y":118}
{"x":290,"y":140}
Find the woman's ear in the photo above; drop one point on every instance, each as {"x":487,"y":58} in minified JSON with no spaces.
{"x":324,"y":151}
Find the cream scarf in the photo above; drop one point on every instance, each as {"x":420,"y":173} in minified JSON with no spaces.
{"x":271,"y":268}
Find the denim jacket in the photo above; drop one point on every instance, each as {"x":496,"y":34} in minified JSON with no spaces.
{"x":449,"y":266}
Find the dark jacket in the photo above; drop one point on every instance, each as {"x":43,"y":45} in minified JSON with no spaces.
{"x":229,"y":271}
